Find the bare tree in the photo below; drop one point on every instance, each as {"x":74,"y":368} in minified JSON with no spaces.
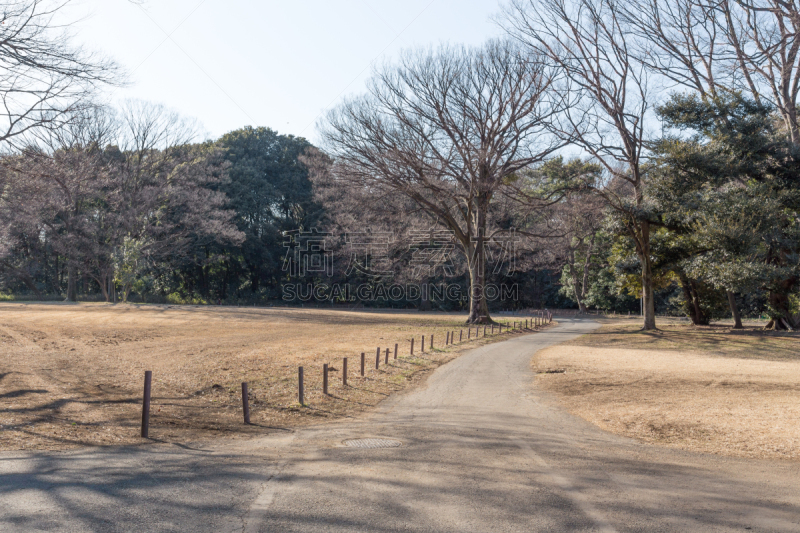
{"x":44,"y":79}
{"x":713,"y":46}
{"x":448,"y":129}
{"x":682,"y":41}
{"x":608,"y":92}
{"x":764,"y":38}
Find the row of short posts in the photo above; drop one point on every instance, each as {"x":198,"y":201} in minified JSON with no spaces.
{"x":544,"y":317}
{"x":449,"y":339}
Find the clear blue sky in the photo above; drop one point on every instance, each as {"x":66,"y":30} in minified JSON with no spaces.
{"x":280,"y":64}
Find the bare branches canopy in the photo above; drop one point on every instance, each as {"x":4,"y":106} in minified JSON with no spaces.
{"x":448,"y":128}
{"x":44,"y":78}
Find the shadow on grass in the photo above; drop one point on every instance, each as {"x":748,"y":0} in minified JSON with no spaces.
{"x":713,"y":340}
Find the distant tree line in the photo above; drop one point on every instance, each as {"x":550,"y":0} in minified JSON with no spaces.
{"x":638,"y":157}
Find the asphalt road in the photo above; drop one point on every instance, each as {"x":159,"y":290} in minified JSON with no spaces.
{"x":482,"y":450}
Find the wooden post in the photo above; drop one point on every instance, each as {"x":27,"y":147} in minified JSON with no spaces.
{"x":246,"y":403}
{"x":431,"y":341}
{"x":395,"y":351}
{"x":484,"y":331}
{"x":325,"y":379}
{"x":447,"y":339}
{"x":378,"y":358}
{"x":387,"y":356}
{"x":469,"y":333}
{"x":461,"y":335}
{"x":412,"y":345}
{"x":492,"y":329}
{"x":344,"y":371}
{"x":148,"y":379}
{"x":362,"y":363}
{"x":300,"y":385}
{"x":423,"y":344}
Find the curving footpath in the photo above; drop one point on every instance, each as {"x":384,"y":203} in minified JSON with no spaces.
{"x":482,"y":450}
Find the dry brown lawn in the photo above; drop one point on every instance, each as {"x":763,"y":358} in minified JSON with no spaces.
{"x":710,"y":389}
{"x":72,"y":374}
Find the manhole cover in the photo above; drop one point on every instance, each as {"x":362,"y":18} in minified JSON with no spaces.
{"x":372,"y":443}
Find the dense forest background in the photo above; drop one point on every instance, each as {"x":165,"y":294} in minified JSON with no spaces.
{"x":187,"y":223}
{"x":207,"y":223}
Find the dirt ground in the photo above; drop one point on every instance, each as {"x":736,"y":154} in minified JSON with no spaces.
{"x":710,"y":389}
{"x":72,"y":374}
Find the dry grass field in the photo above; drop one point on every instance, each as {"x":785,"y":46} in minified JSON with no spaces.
{"x":710,"y":389}
{"x":72,"y":374}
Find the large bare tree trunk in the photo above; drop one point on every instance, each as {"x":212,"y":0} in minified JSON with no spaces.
{"x":478,"y":306}
{"x":649,"y":303}
{"x":737,"y":317}
{"x":643,"y":251}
